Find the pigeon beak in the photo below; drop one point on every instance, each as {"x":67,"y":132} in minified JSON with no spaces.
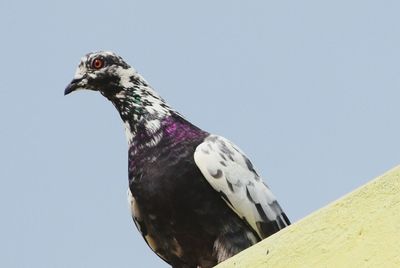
{"x":74,"y":85}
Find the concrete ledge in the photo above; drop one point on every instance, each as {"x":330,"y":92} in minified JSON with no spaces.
{"x":362,"y":229}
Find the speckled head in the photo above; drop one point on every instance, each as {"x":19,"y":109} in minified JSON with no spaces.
{"x":109,"y":74}
{"x":106,"y":72}
{"x":134,"y":99}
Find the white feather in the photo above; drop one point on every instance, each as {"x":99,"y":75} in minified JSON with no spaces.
{"x":128,"y":132}
{"x":229,"y":171}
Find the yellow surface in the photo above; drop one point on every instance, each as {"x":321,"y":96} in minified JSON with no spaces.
{"x":361,"y":229}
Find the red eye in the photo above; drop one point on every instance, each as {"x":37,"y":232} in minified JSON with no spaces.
{"x":97,"y":63}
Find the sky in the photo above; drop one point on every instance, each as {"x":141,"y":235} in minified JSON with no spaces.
{"x":309,"y":90}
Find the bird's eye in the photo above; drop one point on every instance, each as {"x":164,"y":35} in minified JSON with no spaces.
{"x":97,"y":63}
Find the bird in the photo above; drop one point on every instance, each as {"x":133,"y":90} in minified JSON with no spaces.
{"x":195,"y":197}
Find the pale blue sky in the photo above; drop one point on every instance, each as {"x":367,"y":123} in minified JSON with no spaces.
{"x":308,"y":89}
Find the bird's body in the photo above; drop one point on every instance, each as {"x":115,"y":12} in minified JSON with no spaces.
{"x":195,"y":197}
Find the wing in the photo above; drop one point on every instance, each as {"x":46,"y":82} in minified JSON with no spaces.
{"x":231,"y":173}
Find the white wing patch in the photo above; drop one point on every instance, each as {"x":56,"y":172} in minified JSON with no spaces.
{"x":230,"y":173}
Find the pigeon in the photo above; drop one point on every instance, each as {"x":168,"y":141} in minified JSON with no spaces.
{"x":195,"y":197}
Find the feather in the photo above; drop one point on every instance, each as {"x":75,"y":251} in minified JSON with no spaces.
{"x":230,"y":172}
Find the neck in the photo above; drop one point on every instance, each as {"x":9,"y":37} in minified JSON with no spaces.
{"x":146,"y":126}
{"x":136,"y":102}
{"x":141,"y":109}
{"x":146,"y":116}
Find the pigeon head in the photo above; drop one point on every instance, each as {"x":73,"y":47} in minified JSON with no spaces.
{"x":105,"y":72}
{"x":108,"y":73}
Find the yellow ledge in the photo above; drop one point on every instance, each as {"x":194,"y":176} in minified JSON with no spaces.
{"x":362,"y":229}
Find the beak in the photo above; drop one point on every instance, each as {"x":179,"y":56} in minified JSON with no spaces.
{"x":74,"y":85}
